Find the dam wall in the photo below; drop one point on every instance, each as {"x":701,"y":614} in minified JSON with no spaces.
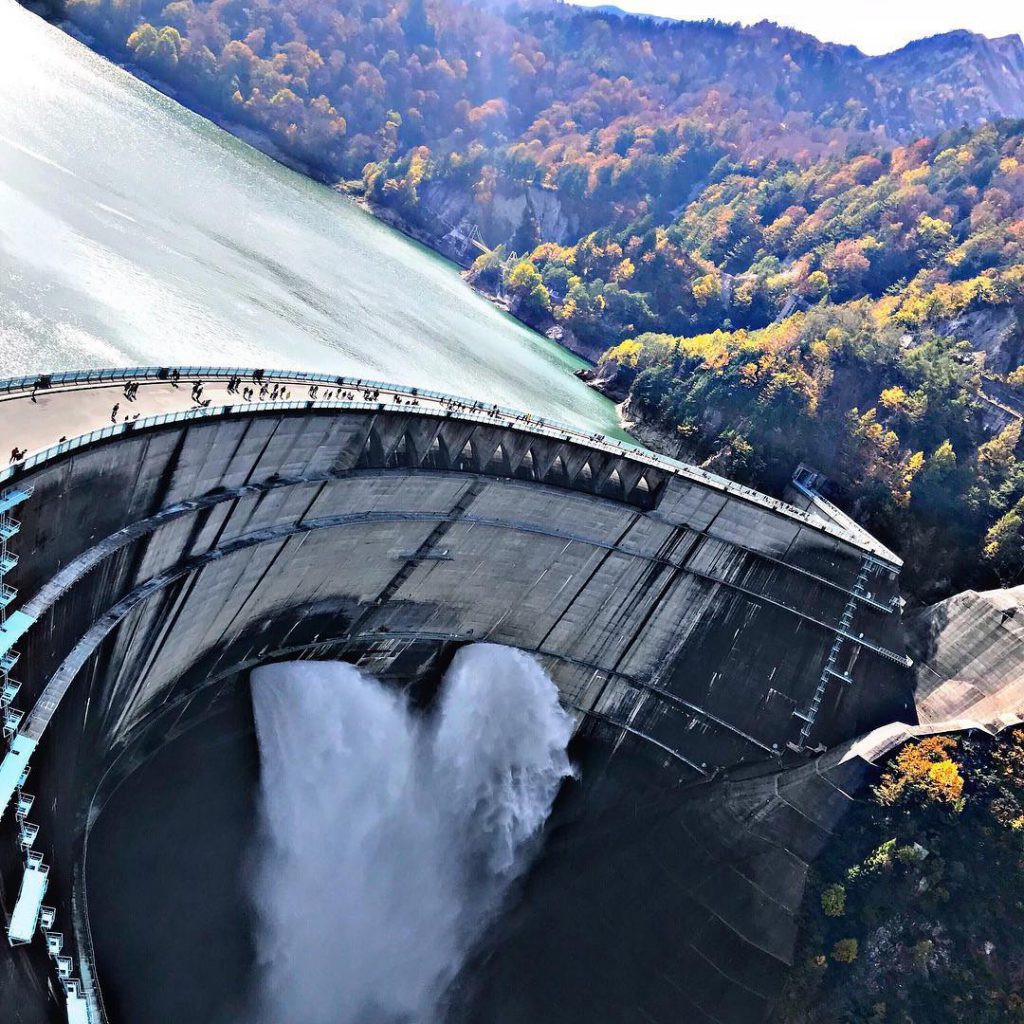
{"x":693,"y":626}
{"x":712,"y":879}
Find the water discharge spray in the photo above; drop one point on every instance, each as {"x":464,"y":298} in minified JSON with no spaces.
{"x":388,"y":838}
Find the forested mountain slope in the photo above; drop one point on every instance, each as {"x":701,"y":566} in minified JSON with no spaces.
{"x":793,"y":251}
{"x":610,"y":110}
{"x":862,"y":313}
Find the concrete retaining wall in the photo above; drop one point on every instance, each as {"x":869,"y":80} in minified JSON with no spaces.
{"x":684,"y":625}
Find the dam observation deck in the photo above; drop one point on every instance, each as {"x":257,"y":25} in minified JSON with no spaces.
{"x":177,"y":527}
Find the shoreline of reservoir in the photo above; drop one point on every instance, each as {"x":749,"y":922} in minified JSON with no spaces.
{"x":263,"y":143}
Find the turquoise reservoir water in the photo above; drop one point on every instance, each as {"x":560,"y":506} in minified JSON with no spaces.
{"x":134,"y":232}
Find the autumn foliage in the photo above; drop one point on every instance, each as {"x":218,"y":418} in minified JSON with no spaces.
{"x":925,"y":770}
{"x":786,"y":251}
{"x":914,"y":909}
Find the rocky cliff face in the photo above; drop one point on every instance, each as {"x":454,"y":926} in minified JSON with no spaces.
{"x":998,"y":332}
{"x":957,"y":77}
{"x":449,"y":208}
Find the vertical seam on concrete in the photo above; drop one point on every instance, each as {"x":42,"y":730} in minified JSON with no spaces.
{"x":167,"y":474}
{"x":579,"y":590}
{"x":263,"y":451}
{"x":282,"y":544}
{"x":466,"y":498}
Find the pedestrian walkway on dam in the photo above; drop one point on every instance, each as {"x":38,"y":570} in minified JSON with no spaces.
{"x":63,"y":409}
{"x":40,"y":414}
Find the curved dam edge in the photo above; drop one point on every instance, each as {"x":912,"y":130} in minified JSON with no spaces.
{"x":695,"y":629}
{"x":171,"y":403}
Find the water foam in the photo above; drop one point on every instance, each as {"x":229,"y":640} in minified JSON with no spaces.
{"x":389,"y":838}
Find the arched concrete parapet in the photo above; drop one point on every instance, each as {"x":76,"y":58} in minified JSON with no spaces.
{"x":589,"y":469}
{"x":691,"y":623}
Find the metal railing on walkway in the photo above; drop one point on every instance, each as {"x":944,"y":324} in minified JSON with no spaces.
{"x":464,"y":408}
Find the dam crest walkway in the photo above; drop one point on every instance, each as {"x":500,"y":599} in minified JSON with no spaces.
{"x":46,"y":415}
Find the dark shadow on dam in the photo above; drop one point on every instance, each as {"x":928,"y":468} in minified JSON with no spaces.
{"x":170,"y":860}
{"x":166,"y":878}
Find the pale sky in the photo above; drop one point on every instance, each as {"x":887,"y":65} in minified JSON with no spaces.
{"x":876,"y":26}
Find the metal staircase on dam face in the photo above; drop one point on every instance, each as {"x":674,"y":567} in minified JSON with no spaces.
{"x":844,"y":636}
{"x":30,"y":914}
{"x":15,"y":761}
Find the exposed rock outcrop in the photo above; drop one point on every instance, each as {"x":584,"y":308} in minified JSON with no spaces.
{"x":497,"y":223}
{"x":977,"y":77}
{"x":998,"y":332}
{"x":608,"y":377}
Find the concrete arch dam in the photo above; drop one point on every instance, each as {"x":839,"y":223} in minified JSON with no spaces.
{"x":705,"y":636}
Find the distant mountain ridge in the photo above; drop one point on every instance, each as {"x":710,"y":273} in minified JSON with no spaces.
{"x":619,"y":12}
{"x":929,"y":85}
{"x":957,"y":36}
{"x":773,"y":72}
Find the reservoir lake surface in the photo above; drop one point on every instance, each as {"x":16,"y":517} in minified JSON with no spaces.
{"x":135,"y":232}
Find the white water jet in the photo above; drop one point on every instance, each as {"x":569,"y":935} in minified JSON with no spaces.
{"x":390,"y":838}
